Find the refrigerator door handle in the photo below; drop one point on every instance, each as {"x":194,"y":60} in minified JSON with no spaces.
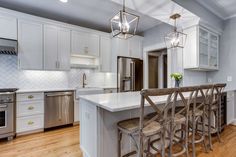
{"x":132,"y":71}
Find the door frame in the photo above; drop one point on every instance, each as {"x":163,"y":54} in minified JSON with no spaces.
{"x":155,"y":47}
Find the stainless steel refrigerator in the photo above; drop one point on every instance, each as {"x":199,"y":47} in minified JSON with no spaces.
{"x":130,"y":74}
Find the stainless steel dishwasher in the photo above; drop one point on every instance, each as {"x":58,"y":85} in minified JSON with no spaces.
{"x":59,"y":109}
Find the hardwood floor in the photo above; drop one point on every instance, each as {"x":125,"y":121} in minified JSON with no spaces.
{"x":65,"y":143}
{"x":57,"y":143}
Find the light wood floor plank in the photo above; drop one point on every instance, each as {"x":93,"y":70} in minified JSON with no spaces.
{"x":65,"y":143}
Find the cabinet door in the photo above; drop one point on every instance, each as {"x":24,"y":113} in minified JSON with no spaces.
{"x":203,"y":47}
{"x":213,"y":51}
{"x":135,"y":47}
{"x":50,"y":47}
{"x":79,"y":43}
{"x":105,"y":58}
{"x":93,"y":45}
{"x":64,"y":49}
{"x":123,"y":48}
{"x":30,"y":45}
{"x":8,"y":27}
{"x":76,"y":111}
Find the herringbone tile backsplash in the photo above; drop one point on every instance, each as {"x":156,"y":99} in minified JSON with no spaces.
{"x":11,"y":76}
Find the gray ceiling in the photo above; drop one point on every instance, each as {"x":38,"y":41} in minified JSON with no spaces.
{"x":222,"y":8}
{"x":93,"y":14}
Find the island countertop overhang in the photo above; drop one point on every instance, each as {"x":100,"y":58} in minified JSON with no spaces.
{"x":115,"y":102}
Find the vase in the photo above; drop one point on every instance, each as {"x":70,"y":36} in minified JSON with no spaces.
{"x":177,"y":82}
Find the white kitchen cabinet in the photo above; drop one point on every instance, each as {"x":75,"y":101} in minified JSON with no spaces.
{"x":201,"y":50}
{"x":64,"y":43}
{"x":50,"y":47}
{"x":84,"y":43}
{"x":105,"y":57}
{"x":131,"y":47}
{"x":136,"y":47}
{"x":56,"y":48}
{"x":8,"y":27}
{"x":76,"y":111}
{"x":30,"y":45}
{"x":29,"y":112}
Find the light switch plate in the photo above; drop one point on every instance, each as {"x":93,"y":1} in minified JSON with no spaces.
{"x":209,"y":80}
{"x":229,"y":78}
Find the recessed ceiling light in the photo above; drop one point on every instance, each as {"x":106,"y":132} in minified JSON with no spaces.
{"x":64,"y":1}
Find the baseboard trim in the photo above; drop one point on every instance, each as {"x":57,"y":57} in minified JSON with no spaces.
{"x":233,"y":122}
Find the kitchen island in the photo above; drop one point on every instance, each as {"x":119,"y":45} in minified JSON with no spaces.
{"x":99,"y":116}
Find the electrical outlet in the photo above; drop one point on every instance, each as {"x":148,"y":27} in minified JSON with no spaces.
{"x":229,"y":78}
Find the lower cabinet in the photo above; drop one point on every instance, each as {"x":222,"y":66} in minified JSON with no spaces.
{"x":29,"y":123}
{"x":76,"y":112}
{"x":29,"y":113}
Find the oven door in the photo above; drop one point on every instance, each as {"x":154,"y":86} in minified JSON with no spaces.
{"x":6,"y":118}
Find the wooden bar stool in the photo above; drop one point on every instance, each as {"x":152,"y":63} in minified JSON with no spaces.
{"x":160,"y":116}
{"x":197,"y":117}
{"x":214,"y":109}
{"x":187,"y":96}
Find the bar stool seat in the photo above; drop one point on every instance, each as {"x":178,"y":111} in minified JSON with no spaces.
{"x":132,"y":125}
{"x":197,"y":112}
{"x":179,"y":118}
{"x":129,"y":125}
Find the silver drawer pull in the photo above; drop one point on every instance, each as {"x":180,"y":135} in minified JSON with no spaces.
{"x":30,"y":96}
{"x":30,"y":107}
{"x":30,"y":123}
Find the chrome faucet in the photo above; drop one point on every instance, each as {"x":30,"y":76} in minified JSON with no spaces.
{"x":84,"y":78}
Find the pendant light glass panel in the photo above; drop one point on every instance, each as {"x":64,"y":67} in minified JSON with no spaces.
{"x":175,"y":39}
{"x":124,"y":25}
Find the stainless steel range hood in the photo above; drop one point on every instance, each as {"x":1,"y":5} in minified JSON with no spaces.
{"x":8,"y":46}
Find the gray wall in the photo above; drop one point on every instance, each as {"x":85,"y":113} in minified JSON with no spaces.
{"x":175,"y":56}
{"x":156,"y":34}
{"x":202,"y":12}
{"x":227,"y":57}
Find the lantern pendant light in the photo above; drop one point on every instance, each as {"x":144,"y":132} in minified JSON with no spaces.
{"x":176,"y":38}
{"x":124,"y":24}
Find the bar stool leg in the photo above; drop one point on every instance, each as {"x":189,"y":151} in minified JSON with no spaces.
{"x":186,"y":139}
{"x":203,"y":132}
{"x":119,"y":142}
{"x":209,"y":129}
{"x":218,"y":125}
{"x":193,"y":138}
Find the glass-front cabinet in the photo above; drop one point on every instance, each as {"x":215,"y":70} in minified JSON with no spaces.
{"x":201,"y":49}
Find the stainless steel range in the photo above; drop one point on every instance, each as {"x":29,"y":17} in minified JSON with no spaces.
{"x":7,"y":113}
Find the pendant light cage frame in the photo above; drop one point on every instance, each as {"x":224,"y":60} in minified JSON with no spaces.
{"x":175,"y":39}
{"x":124,"y":25}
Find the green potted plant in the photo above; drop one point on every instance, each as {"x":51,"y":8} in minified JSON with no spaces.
{"x":178,"y":77}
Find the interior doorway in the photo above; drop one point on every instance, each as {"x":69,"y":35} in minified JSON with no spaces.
{"x":157,"y":69}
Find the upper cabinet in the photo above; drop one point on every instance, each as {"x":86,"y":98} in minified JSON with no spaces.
{"x":131,"y":47}
{"x":30,"y":45}
{"x":56,"y":48}
{"x":8,"y":27}
{"x":105,"y":57}
{"x":84,"y":43}
{"x":136,"y":47}
{"x":201,"y":50}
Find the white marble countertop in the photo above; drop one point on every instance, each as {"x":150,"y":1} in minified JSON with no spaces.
{"x":115,"y":102}
{"x":44,"y":90}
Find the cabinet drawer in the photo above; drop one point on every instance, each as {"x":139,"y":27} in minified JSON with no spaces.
{"x":29,"y":108}
{"x":29,"y":123}
{"x":30,"y":96}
